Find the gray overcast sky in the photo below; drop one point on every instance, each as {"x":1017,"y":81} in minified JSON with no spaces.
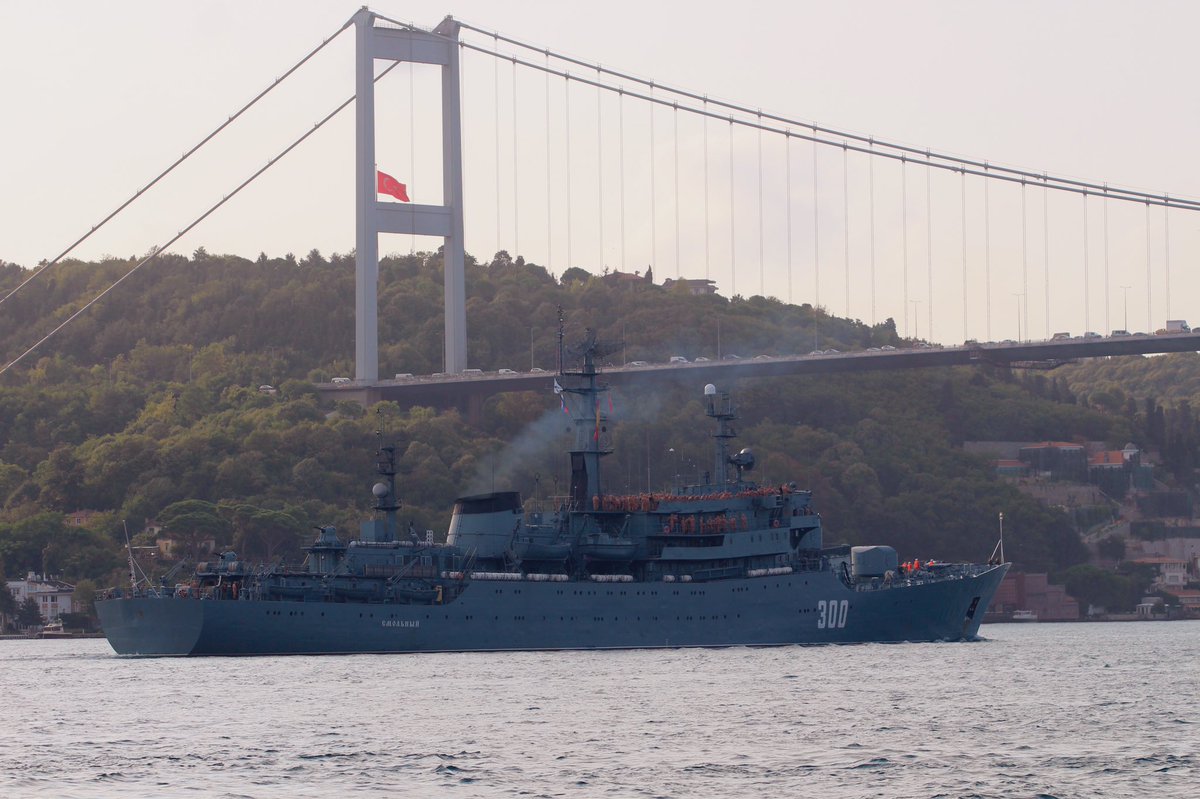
{"x":98,"y":97}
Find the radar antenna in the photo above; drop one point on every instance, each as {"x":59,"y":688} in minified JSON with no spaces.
{"x":591,"y":348}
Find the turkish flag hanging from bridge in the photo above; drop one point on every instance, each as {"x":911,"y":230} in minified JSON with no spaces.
{"x":386,"y":184}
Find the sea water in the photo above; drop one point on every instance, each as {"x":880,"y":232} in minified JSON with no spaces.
{"x":1055,"y":710}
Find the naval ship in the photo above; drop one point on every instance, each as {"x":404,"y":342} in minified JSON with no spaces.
{"x":724,"y":563}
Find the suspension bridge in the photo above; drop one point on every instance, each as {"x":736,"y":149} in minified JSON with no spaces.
{"x":575,"y":164}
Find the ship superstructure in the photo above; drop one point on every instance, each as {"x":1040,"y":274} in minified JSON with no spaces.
{"x":725,"y":562}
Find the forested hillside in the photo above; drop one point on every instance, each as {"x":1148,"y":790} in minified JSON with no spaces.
{"x":1158,"y":395}
{"x":146,"y":407}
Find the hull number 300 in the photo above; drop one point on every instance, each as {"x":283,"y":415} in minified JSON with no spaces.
{"x":831,"y":615}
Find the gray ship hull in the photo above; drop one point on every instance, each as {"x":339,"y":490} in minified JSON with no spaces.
{"x":799,"y":608}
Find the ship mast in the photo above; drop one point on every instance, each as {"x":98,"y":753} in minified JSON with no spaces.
{"x":385,"y":492}
{"x":719,"y":405}
{"x":592,"y":439}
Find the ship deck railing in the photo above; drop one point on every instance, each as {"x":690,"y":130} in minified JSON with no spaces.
{"x":939,"y":573}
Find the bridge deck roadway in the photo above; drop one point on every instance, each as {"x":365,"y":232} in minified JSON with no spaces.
{"x":469,"y":392}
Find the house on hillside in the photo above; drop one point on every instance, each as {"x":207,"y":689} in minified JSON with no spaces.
{"x":81,"y":518}
{"x":1118,"y":471}
{"x":693,"y":286}
{"x":619,"y":278}
{"x":1171,"y":573}
{"x":1058,"y":460}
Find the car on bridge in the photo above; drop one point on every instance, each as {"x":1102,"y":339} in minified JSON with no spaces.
{"x":505,"y":372}
{"x":1117,"y":333}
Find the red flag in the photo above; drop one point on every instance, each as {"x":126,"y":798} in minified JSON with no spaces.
{"x":386,"y":184}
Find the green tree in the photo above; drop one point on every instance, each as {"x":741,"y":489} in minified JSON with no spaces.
{"x":1111,"y":547}
{"x":28,"y":614}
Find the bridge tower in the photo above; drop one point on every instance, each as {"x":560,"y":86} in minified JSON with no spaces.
{"x":439,"y":47}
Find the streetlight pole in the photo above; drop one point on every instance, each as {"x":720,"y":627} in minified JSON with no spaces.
{"x":1018,"y":295}
{"x":1126,"y":289}
{"x":916,"y":315}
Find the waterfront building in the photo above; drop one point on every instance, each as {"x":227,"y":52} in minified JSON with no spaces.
{"x":53,"y":596}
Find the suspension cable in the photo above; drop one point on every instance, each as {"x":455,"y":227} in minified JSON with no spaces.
{"x":904,"y":241}
{"x":496,"y":121}
{"x":787,"y":172}
{"x":963,"y":205}
{"x":1025,"y":261}
{"x":986,"y":169}
{"x":846,"y":223}
{"x":653,"y":193}
{"x":707,"y":259}
{"x":732,"y":217}
{"x":1087,"y":297}
{"x":871,"y":174}
{"x":412,"y":140}
{"x":178,"y":161}
{"x":516,"y":170}
{"x":567,"y":136}
{"x":549,"y":182}
{"x":621,"y":169}
{"x":1107,"y":303}
{"x":929,"y":248}
{"x":1149,"y":296}
{"x":1167,"y":256}
{"x":158,"y":250}
{"x":953,"y":163}
{"x":762,"y":283}
{"x":675,"y":175}
{"x":1046,"y":253}
{"x":987,"y":259}
{"x":600,"y":164}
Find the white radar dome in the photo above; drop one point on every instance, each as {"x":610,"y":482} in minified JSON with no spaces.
{"x":710,"y":390}
{"x":380,"y":490}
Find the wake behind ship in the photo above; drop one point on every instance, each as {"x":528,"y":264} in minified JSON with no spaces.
{"x":729,"y":562}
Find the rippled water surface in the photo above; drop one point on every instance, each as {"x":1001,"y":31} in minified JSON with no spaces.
{"x":1059,"y":710}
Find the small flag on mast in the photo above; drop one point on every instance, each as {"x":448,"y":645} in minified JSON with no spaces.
{"x":559,"y":391}
{"x":386,"y":184}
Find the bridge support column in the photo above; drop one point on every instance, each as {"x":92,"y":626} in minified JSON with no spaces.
{"x":440,"y":48}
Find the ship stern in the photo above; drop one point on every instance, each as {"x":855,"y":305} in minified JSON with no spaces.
{"x":153,"y":626}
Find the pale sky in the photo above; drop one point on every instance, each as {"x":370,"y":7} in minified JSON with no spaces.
{"x":97,"y":98}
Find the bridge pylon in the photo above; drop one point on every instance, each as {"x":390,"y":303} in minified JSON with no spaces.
{"x":438,"y":47}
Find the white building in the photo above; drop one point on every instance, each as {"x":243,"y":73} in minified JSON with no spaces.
{"x":53,"y":597}
{"x":1171,"y":573}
